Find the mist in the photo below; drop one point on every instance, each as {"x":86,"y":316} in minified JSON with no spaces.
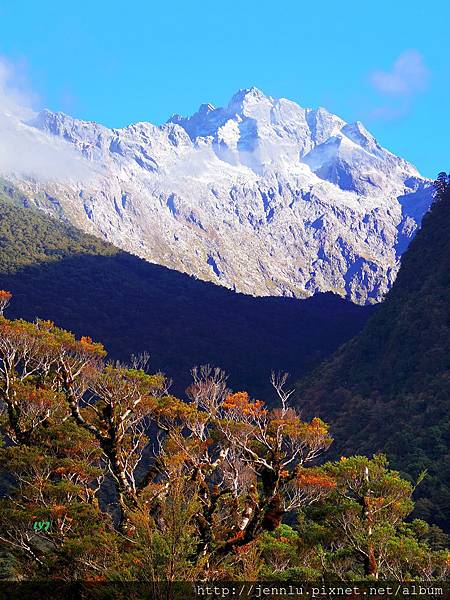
{"x":26,"y":152}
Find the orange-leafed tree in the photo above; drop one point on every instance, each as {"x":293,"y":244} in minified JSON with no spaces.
{"x":5,"y":298}
{"x":53,"y":466}
{"x":119,"y":406}
{"x":48,"y":375}
{"x":32,"y":361}
{"x":250,"y":463}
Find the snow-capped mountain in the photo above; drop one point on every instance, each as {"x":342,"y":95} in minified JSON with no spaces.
{"x":262,"y":196}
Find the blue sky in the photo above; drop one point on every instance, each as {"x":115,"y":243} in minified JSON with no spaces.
{"x":385,"y":63}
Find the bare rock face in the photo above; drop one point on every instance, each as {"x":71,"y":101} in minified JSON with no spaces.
{"x":261,"y":196}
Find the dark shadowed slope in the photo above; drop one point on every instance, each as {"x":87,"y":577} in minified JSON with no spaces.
{"x":90,"y":287}
{"x":389,"y":388}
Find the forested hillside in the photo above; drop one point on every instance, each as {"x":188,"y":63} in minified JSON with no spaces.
{"x":389,"y":388}
{"x":88,"y":286}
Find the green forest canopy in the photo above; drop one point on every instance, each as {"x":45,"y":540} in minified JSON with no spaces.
{"x":388,"y":389}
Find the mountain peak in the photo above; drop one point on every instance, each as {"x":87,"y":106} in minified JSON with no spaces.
{"x":247,"y":93}
{"x":249,"y":102}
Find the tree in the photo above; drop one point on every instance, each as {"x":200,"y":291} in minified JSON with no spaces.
{"x":53,"y":480}
{"x":117,"y":405}
{"x":32,"y":356}
{"x":442,"y":185}
{"x":5,"y":298}
{"x":360,"y":529}
{"x":249,"y":462}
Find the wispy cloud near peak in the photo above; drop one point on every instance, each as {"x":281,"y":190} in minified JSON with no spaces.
{"x":407,"y":76}
{"x":24,"y":150}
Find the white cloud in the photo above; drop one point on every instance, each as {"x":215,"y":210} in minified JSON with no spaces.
{"x":24,"y":150}
{"x":408,"y":75}
{"x":14,"y":96}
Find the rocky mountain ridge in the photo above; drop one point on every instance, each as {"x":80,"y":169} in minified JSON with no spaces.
{"x":261,"y":196}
